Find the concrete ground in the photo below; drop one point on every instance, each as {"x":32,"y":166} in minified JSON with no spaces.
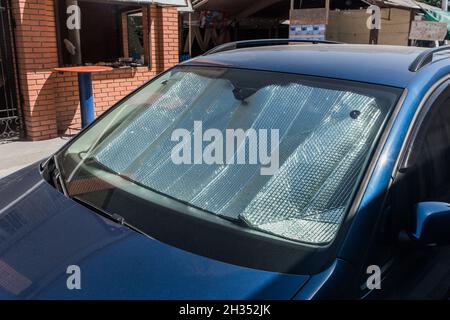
{"x":15,"y":155}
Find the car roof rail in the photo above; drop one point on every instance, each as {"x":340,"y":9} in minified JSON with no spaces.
{"x":426,"y":57}
{"x":262,"y":43}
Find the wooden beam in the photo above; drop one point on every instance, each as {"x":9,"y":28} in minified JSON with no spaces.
{"x":309,"y":16}
{"x":258,"y":6}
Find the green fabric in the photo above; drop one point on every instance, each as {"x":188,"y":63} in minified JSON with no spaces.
{"x":438,"y":15}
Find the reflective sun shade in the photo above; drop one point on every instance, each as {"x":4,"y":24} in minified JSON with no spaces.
{"x":326,"y":131}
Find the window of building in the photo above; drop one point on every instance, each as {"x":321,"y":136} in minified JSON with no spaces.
{"x":134,"y":34}
{"x":111,"y":34}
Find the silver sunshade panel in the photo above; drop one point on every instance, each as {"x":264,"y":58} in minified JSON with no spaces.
{"x":314,"y":185}
{"x":142,"y":132}
{"x":157,"y":169}
{"x":321,"y":146}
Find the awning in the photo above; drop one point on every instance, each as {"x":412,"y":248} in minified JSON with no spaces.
{"x":177,"y":3}
{"x":411,"y":4}
{"x":241,"y":8}
{"x":187,"y":8}
{"x":407,"y":4}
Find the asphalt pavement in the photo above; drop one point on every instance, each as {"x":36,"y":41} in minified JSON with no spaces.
{"x":15,"y":155}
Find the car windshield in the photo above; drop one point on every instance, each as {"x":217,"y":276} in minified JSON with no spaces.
{"x":279,"y":153}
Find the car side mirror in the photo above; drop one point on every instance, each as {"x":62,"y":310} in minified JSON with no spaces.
{"x":432,"y":223}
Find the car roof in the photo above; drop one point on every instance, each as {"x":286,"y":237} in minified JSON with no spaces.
{"x":378,"y":64}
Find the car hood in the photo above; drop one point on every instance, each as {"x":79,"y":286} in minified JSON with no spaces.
{"x":43,"y":235}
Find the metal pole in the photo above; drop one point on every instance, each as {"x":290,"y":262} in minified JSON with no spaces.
{"x":148,"y":9}
{"x":23,"y":131}
{"x":74,"y":38}
{"x":445,"y":8}
{"x":86,"y":99}
{"x":190,"y":35}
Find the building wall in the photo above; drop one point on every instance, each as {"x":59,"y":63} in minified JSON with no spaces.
{"x":350,"y":26}
{"x":108,"y":88}
{"x":50,"y":99}
{"x":395,"y":27}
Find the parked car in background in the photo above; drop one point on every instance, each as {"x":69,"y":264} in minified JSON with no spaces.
{"x":357,"y":208}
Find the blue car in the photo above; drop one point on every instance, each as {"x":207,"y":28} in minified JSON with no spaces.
{"x":261,"y":170}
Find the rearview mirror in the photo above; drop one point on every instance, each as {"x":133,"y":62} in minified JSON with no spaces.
{"x":432,"y":223}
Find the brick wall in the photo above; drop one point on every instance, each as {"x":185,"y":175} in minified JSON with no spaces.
{"x":108,"y":87}
{"x":50,"y":99}
{"x":37,"y":56}
{"x":165,"y":38}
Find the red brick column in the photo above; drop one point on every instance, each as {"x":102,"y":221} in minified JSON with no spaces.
{"x":164,"y":38}
{"x":170,"y":30}
{"x":37,"y":56}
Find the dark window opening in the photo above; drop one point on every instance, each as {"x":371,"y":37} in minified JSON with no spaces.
{"x":111,"y":34}
{"x":425,"y":173}
{"x":135,"y":34}
{"x":431,"y":153}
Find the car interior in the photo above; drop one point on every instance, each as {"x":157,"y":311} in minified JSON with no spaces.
{"x":424,"y":176}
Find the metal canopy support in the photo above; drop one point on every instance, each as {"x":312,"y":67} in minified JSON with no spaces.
{"x":445,"y":8}
{"x":190,"y":34}
{"x":177,"y":3}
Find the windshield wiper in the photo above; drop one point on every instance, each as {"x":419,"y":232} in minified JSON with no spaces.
{"x":110,"y":216}
{"x":57,"y":179}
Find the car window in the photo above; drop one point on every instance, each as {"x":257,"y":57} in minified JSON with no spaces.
{"x":430,"y":154}
{"x":299,"y":146}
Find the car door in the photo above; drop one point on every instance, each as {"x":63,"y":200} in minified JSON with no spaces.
{"x":421,"y":272}
{"x":407,"y":270}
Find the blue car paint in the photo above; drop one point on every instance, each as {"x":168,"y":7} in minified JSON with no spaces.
{"x":426,"y":227}
{"x":385,"y":67}
{"x":424,"y":210}
{"x":372,"y":64}
{"x":129,"y":258}
{"x":328,"y":284}
{"x":44,"y":232}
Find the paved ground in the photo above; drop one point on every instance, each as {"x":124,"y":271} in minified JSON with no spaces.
{"x":18,"y":154}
